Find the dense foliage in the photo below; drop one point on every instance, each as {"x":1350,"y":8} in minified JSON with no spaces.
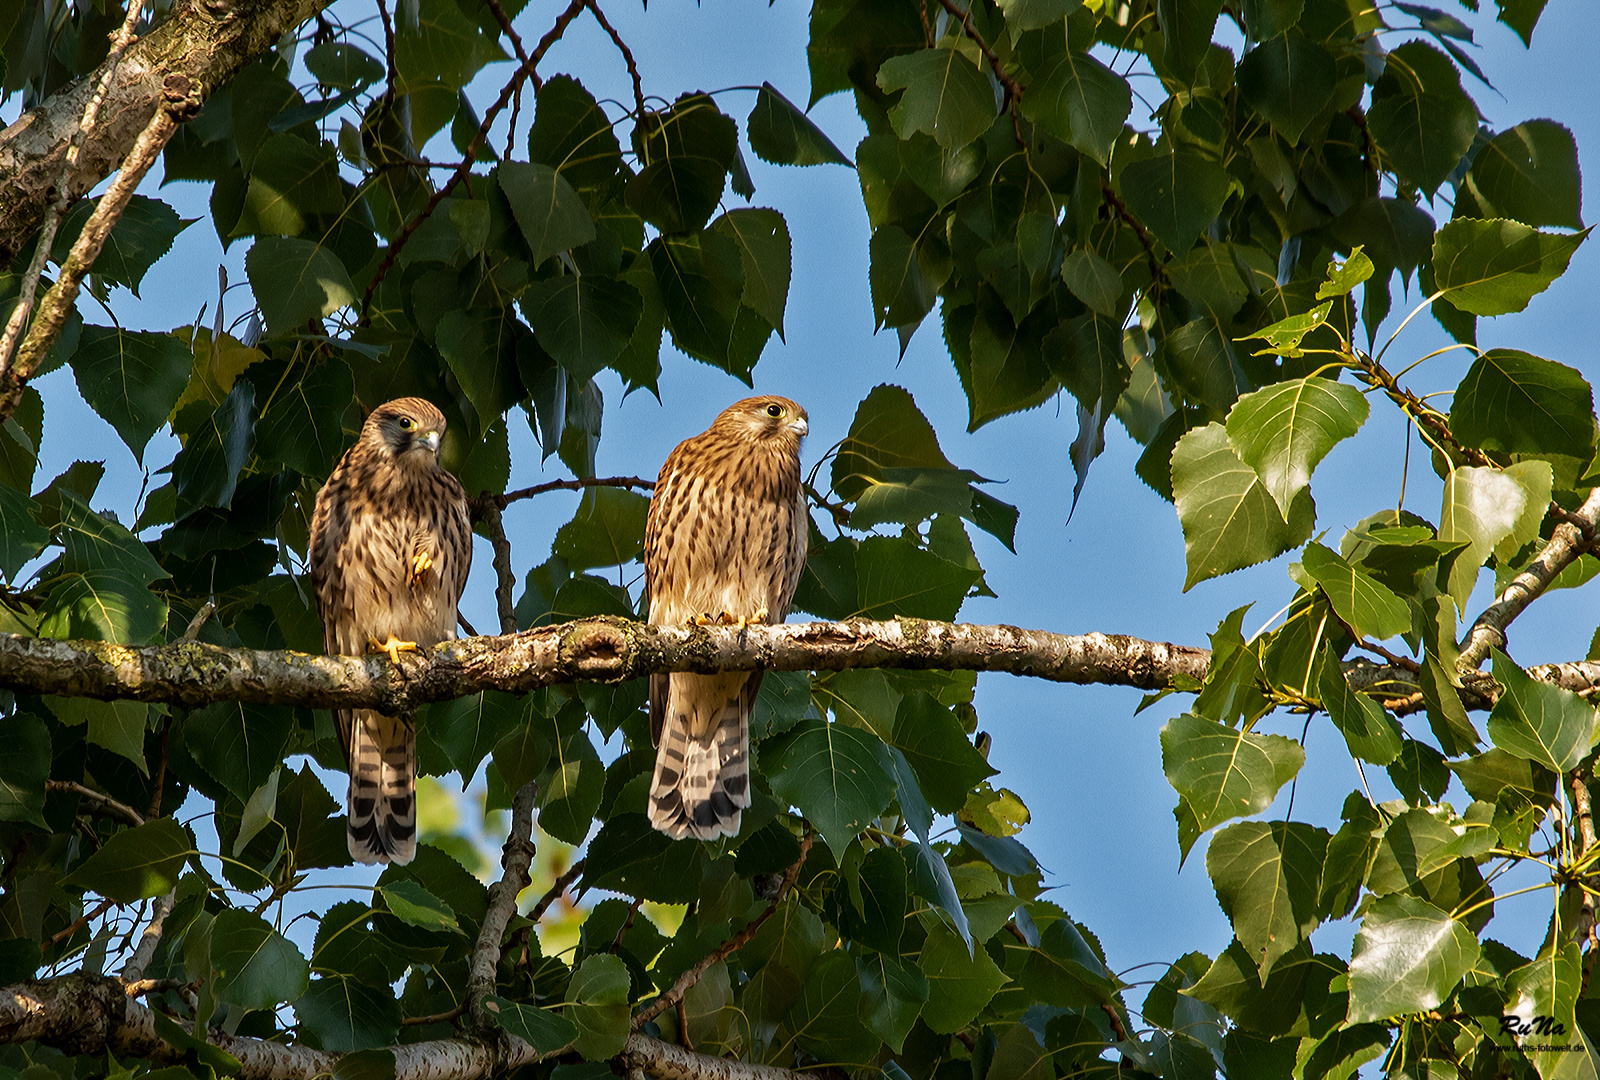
{"x":1212,"y":275}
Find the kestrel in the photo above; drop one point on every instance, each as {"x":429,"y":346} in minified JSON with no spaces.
{"x":725,"y":541}
{"x":391,"y":544}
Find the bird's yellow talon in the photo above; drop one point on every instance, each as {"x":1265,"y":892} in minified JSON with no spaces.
{"x":421,"y":563}
{"x":394,"y":647}
{"x":703,"y":619}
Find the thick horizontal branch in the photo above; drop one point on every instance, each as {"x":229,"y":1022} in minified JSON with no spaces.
{"x":602,"y":649}
{"x":90,"y":1014}
{"x":207,"y":42}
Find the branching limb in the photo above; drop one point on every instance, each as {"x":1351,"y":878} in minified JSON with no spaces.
{"x":554,"y":893}
{"x":674,"y":997}
{"x":502,"y":501}
{"x":133,"y":970}
{"x":627,"y":56}
{"x":1570,"y":539}
{"x":90,"y":793}
{"x":179,"y":102}
{"x":517,"y":857}
{"x":1012,"y":88}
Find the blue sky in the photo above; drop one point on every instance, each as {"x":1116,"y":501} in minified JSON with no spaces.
{"x":1086,"y":765}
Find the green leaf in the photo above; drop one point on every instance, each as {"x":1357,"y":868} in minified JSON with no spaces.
{"x":630,"y":857}
{"x":1186,"y":26}
{"x":1344,"y":277}
{"x":1284,"y":336}
{"x":142,"y":234}
{"x":896,"y":578}
{"x":838,"y":776}
{"x":1000,"y":362}
{"x":131,"y":379}
{"x":295,"y":281}
{"x":543,"y":1029}
{"x":23,"y":770}
{"x":1529,"y":173}
{"x":300,"y":425}
{"x":781,"y":134}
{"x":1176,"y":196}
{"x":1408,"y":958}
{"x":1369,"y":731}
{"x":892,"y":996}
{"x":607,"y":530}
{"x":827,"y":1020}
{"x":1080,"y":101}
{"x":292,"y":183}
{"x":701,"y":278}
{"x":346,"y":1014}
{"x":206,"y":470}
{"x":1203,"y":365}
{"x":901,"y":294}
{"x":239,"y":743}
{"x":763,"y":240}
{"x":342,"y":66}
{"x":1024,"y":15}
{"x":21,"y":537}
{"x":1229,"y":519}
{"x":960,"y":983}
{"x":1289,"y":80}
{"x":1224,"y":773}
{"x":1495,"y":267}
{"x":415,"y":906}
{"x":256,"y":967}
{"x":1511,"y":402}
{"x":468,"y":729}
{"x":1267,"y":877}
{"x":569,"y":802}
{"x":1542,"y":723}
{"x":583,"y":320}
{"x":1367,"y":606}
{"x":1065,"y":972}
{"x":572,"y":134}
{"x":1094,"y":281}
{"x":1425,"y":135}
{"x":1481,"y":507}
{"x":599,"y":991}
{"x":946,"y":95}
{"x":549,"y":213}
{"x":102,"y":605}
{"x":119,"y":726}
{"x":1284,"y":430}
{"x":479,"y":344}
{"x":440,"y":46}
{"x":932,"y":739}
{"x":135,"y":864}
{"x":94,"y":542}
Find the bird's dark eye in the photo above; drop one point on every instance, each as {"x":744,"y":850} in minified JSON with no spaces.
{"x":774,"y":410}
{"x":406,"y":423}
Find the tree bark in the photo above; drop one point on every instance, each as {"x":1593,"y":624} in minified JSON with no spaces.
{"x":602,"y":649}
{"x":207,"y":41}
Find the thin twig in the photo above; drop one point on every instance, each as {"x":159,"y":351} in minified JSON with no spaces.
{"x":104,"y":800}
{"x":207,"y":609}
{"x":516,"y":857}
{"x":627,"y":924}
{"x":83,"y":920}
{"x":1126,"y":216}
{"x":436,"y":1018}
{"x":555,"y":892}
{"x":580,"y":484}
{"x":467,"y":159}
{"x":627,"y":57}
{"x":738,"y":941}
{"x":505,"y":580}
{"x":60,"y":199}
{"x":389,"y":52}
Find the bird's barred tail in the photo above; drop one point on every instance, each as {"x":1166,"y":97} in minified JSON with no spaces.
{"x":382,"y":802}
{"x":701,"y":783}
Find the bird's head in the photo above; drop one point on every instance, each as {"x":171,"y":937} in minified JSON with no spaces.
{"x":409,"y":429}
{"x":766,"y":419}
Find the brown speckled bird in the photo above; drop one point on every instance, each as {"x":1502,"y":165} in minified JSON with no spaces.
{"x":725,"y":541}
{"x":391,"y":544}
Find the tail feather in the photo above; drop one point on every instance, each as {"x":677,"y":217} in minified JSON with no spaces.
{"x":382,"y":800}
{"x":702,"y":782}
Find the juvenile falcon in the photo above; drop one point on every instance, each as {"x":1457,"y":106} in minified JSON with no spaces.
{"x":391,"y":544}
{"x":725,"y":541}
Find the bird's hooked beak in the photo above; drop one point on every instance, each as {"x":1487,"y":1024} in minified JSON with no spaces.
{"x":430,"y":439}
{"x":799,"y":426}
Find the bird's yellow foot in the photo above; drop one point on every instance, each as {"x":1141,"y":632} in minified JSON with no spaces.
{"x":702,"y":619}
{"x":394,"y":647}
{"x":421,"y":563}
{"x":743,"y":620}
